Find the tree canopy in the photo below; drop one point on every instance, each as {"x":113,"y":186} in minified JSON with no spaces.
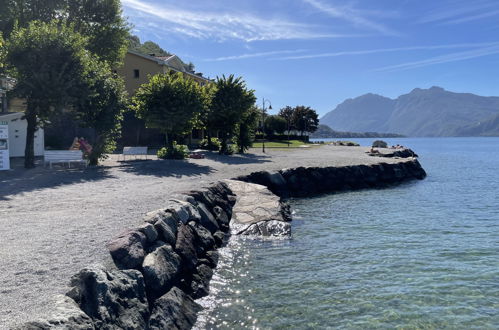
{"x":170,"y":103}
{"x":275,"y":124}
{"x":99,"y":20}
{"x":231,"y":100}
{"x":305,"y":119}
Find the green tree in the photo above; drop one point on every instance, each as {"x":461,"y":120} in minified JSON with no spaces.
{"x":287,"y":114}
{"x":275,"y":124}
{"x":230,"y":102}
{"x":102,"y":109}
{"x":49,"y":63}
{"x":305,"y":119}
{"x":169,"y":102}
{"x":246,"y":129}
{"x":100,"y":20}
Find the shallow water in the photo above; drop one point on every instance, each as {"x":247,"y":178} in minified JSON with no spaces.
{"x":423,"y":254}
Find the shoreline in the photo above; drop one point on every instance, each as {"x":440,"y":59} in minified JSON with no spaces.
{"x":221,"y":167}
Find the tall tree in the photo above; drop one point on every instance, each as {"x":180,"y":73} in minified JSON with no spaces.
{"x":170,"y":103}
{"x":49,"y":63}
{"x":101,"y":108}
{"x":275,"y":124}
{"x":305,"y":119}
{"x":287,"y":114}
{"x":230,"y":101}
{"x":246,"y":129}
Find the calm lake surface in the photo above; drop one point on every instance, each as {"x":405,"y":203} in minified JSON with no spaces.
{"x":423,"y":254}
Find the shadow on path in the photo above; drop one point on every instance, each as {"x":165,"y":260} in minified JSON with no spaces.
{"x":165,"y":168}
{"x":238,"y":158}
{"x":21,"y":180}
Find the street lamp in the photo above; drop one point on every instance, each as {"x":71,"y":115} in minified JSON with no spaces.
{"x":263,"y":121}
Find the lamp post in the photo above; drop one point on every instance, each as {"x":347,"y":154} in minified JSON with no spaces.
{"x":263,"y":121}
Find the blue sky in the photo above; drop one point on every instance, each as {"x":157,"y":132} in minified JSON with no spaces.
{"x":320,"y":52}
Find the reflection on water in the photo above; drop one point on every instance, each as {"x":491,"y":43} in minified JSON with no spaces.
{"x":419,"y":255}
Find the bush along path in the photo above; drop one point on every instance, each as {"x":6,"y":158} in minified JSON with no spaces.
{"x":166,"y":262}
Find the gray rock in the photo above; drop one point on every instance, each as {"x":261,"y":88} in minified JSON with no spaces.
{"x":67,"y":315}
{"x":212,"y":257}
{"x":183,"y":210}
{"x":204,"y":239}
{"x":153,"y":216}
{"x":113,"y":299}
{"x":128,"y":249}
{"x":274,"y":228}
{"x":149,"y":231}
{"x":185,"y":247}
{"x":207,"y":218}
{"x":220,"y":238}
{"x":160,"y":269}
{"x":201,"y":281}
{"x":174,"y":310}
{"x":222,"y":218}
{"x":167,"y":229}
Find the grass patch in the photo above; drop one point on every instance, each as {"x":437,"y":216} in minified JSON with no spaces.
{"x":280,"y":144}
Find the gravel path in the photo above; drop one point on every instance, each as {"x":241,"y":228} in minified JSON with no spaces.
{"x":53,"y":222}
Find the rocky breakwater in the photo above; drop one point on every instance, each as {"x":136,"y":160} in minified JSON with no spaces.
{"x":167,"y":261}
{"x":309,"y":181}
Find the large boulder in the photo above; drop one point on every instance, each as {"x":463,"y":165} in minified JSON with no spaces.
{"x":113,"y":299}
{"x":66,"y":315}
{"x":204,"y":240}
{"x":200,"y":285}
{"x":167,"y":228}
{"x":128,"y":249}
{"x":175,"y":310}
{"x":161,"y":268}
{"x":185,"y":247}
{"x":183,"y":210}
{"x":207,"y":218}
{"x":270,"y":228}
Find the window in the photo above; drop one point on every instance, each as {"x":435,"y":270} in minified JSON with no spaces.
{"x":136,"y":73}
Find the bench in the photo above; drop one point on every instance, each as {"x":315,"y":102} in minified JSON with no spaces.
{"x":63,"y":156}
{"x":134,"y":151}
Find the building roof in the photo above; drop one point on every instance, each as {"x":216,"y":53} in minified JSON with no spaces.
{"x":171,"y":62}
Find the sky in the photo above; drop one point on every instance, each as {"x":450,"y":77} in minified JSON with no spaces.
{"x":320,"y":52}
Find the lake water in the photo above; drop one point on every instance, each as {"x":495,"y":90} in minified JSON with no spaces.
{"x":423,"y":254}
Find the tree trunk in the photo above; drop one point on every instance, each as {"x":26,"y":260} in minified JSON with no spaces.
{"x":223,"y":146}
{"x":29,"y":151}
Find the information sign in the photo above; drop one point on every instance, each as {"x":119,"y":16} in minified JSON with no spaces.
{"x":4,"y":146}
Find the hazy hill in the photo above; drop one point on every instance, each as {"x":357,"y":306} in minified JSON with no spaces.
{"x":422,"y":112}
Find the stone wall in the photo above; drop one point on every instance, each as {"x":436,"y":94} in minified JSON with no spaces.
{"x":167,"y":261}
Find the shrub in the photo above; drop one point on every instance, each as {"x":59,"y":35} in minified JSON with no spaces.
{"x":179,"y":151}
{"x":380,"y":144}
{"x":215,"y":144}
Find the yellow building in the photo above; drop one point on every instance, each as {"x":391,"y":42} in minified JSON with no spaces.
{"x":138,"y":67}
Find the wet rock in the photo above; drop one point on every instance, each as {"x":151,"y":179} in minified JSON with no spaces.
{"x":222,"y":218}
{"x":220,"y":238}
{"x":201,"y":281}
{"x":174,"y":310}
{"x":160,"y":269}
{"x":67,"y":315}
{"x":113,"y":299}
{"x":128,"y":249}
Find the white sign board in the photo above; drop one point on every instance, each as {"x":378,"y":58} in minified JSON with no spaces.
{"x":4,"y":146}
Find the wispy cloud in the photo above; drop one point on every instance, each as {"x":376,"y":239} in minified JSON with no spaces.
{"x":351,"y":15}
{"x":448,"y":58}
{"x":253,"y":55}
{"x":224,"y":25}
{"x":389,"y":50}
{"x":457,"y":13}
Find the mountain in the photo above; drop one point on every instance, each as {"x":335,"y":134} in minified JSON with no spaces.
{"x":324,"y":131}
{"x":422,"y":112}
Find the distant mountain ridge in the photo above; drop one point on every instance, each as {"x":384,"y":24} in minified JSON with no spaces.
{"x":422,"y":112}
{"x":324,"y":131}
